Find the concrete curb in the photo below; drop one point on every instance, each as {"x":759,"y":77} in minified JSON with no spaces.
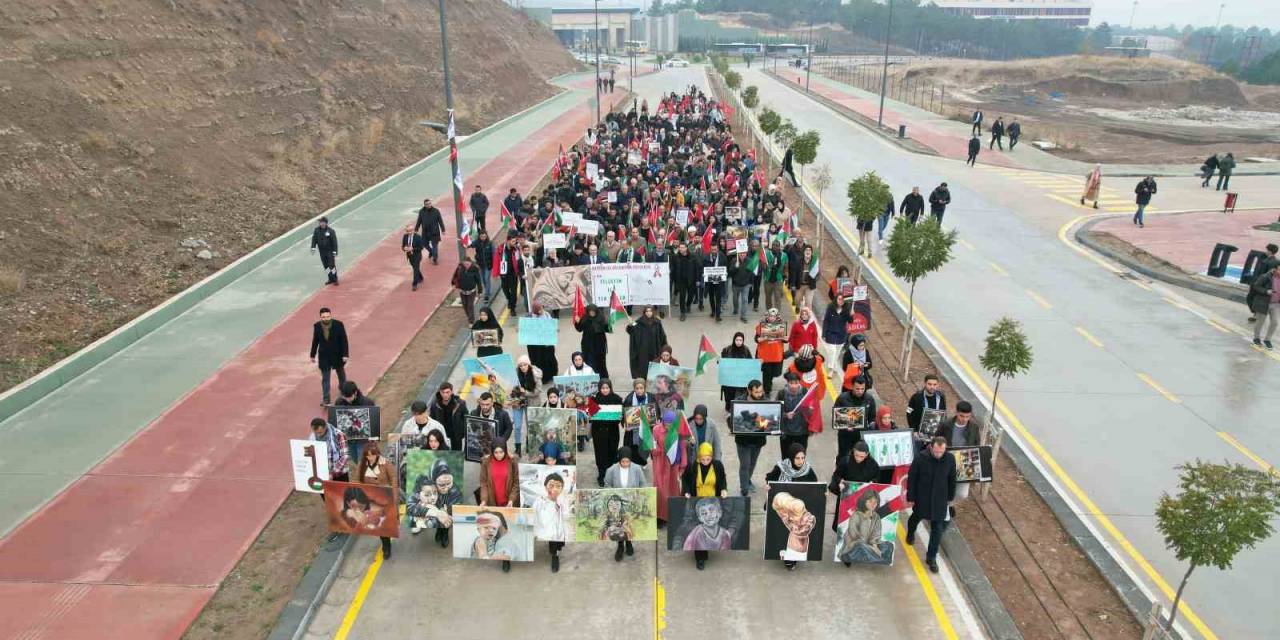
{"x":1194,"y":282}
{"x":996,"y":620}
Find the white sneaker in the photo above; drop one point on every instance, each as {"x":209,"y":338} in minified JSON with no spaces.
{"x":415,"y":529}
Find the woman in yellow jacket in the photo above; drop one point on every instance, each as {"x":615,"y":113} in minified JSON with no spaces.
{"x":706,"y":479}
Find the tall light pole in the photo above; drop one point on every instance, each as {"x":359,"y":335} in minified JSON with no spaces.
{"x":884,"y":76}
{"x":453,"y":157}
{"x":809,"y":65}
{"x":1213,"y":42}
{"x":595,"y":37}
{"x":1133,"y":12}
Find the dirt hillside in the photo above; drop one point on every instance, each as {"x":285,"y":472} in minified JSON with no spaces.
{"x":131,"y":128}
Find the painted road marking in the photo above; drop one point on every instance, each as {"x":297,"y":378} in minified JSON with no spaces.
{"x":1266,"y":466}
{"x":659,"y":608}
{"x":998,"y":269}
{"x":1159,"y":389}
{"x":1217,"y":325}
{"x":926,"y":585}
{"x":1040,"y":299}
{"x":1088,"y":505}
{"x":357,"y":602}
{"x":965,"y":243}
{"x":1089,"y":336}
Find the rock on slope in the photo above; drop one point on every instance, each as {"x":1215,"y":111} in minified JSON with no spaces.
{"x":131,"y":126}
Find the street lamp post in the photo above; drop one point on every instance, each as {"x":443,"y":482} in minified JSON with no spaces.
{"x":884,"y":76}
{"x":809,"y":65}
{"x":453,"y":157}
{"x":595,"y":37}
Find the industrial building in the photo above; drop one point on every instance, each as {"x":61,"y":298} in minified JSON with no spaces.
{"x":1070,"y":12}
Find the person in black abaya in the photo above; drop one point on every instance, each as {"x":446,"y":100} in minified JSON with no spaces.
{"x":543,"y":356}
{"x":485,"y":320}
{"x":604,"y":433}
{"x":595,"y":339}
{"x":647,"y":340}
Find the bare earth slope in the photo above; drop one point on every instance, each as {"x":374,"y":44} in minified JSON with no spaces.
{"x":129,"y":126}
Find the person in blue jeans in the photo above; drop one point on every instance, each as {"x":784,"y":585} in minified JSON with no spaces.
{"x":1145,"y":189}
{"x":484,"y":259}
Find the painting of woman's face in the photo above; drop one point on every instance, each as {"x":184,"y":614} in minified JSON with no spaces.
{"x":444,"y":483}
{"x":709,"y":513}
{"x":614,"y":507}
{"x":872,"y":503}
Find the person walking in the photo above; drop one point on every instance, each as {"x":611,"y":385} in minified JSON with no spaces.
{"x":499,"y":483}
{"x":705,"y":479}
{"x":929,"y":397}
{"x":350,"y":395}
{"x":686,"y":271}
{"x":835,"y":331}
{"x":604,"y":433}
{"x":770,"y":351}
{"x":479,"y":204}
{"x":715,"y":284}
{"x":775,"y":272}
{"x":376,"y":470}
{"x":411,"y":245}
{"x":931,"y":486}
{"x":857,"y":396}
{"x":451,"y":411}
{"x":595,"y":340}
{"x":882,"y":221}
{"x":510,"y":268}
{"x":804,"y":331}
{"x":322,"y":431}
{"x":997,"y":133}
{"x":748,"y":444}
{"x":787,"y":167}
{"x":325,"y":241}
{"x":483,"y":248}
{"x":1206,"y":170}
{"x":704,"y":431}
{"x":486,"y":321}
{"x":647,"y":338}
{"x":975,"y":145}
{"x":977,"y":123}
{"x":1092,"y":186}
{"x":466,"y":279}
{"x":911,"y":208}
{"x":1145,"y":189}
{"x":795,"y":418}
{"x":1226,"y":164}
{"x":1015,"y":132}
{"x":938,"y":201}
{"x":430,"y":225}
{"x":741,"y":277}
{"x":543,"y":356}
{"x":329,"y":350}
{"x":1265,"y":305}
{"x":624,"y":474}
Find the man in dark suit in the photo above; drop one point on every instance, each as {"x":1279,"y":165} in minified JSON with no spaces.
{"x":329,"y":350}
{"x":325,"y":240}
{"x":431,"y":224}
{"x":592,"y":256}
{"x":479,"y":206}
{"x":411,"y":245}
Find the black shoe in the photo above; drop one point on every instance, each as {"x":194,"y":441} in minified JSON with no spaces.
{"x":506,"y":566}
{"x":555,"y":564}
{"x":848,"y":564}
{"x":952,"y":512}
{"x":1267,"y":343}
{"x":415,"y":287}
{"x":1257,"y":342}
{"x":386,"y":553}
{"x":911,"y":538}
{"x":617,"y":555}
{"x":631,"y":551}
{"x":443,"y":538}
{"x":791,"y":565}
{"x":933,"y":566}
{"x":702,"y":564}
{"x":682,"y":316}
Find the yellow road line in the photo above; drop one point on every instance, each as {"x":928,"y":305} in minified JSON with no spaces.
{"x":1217,"y":325}
{"x":1040,"y":299}
{"x":1174,"y":302}
{"x":1089,"y":336}
{"x":357,"y":602}
{"x":1075,"y":203}
{"x":965,"y":243}
{"x":1266,"y":466}
{"x":926,"y":585}
{"x":502,"y":317}
{"x":1067,"y":481}
{"x":659,"y":608}
{"x":997,"y":268}
{"x":1159,"y":389}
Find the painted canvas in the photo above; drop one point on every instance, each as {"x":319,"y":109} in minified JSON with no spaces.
{"x":491,"y":371}
{"x":773,"y":330}
{"x":493,"y":533}
{"x":551,"y":433}
{"x":583,"y":386}
{"x":759,"y":418}
{"x":631,"y":416}
{"x":867,"y":523}
{"x":890,"y":448}
{"x":356,"y":423}
{"x":666,"y":378}
{"x":554,"y":287}
{"x":433,"y":484}
{"x":361,"y":509}
{"x":794,"y":517}
{"x":310,"y":464}
{"x":930,"y":421}
{"x":485,"y":338}
{"x":845,"y":286}
{"x":848,"y":418}
{"x":709,"y":524}
{"x":973,"y":464}
{"x":481,"y":433}
{"x":617,"y":515}
{"x":551,"y":490}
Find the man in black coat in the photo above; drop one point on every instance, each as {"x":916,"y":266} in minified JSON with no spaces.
{"x":450,"y":411}
{"x":912,"y":205}
{"x":479,"y":204}
{"x":515,"y":204}
{"x":325,"y":240}
{"x":715,"y":285}
{"x":930,"y":397}
{"x":411,"y":245}
{"x":997,"y":133}
{"x":938,"y":201}
{"x":329,"y":350}
{"x":960,"y":430}
{"x":503,"y":427}
{"x":857,"y":396}
{"x":685,"y":273}
{"x":931,"y":486}
{"x":430,"y":225}
{"x":975,"y":145}
{"x":1015,"y":132}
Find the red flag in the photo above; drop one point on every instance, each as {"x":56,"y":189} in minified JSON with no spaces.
{"x":499,"y":258}
{"x":579,"y":307}
{"x":706,"y":239}
{"x":702,"y":183}
{"x":812,"y":400}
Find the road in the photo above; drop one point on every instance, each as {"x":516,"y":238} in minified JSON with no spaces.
{"x":1129,"y":380}
{"x":739,"y":595}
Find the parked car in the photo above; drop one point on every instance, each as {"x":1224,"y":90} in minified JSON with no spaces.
{"x":677,"y":62}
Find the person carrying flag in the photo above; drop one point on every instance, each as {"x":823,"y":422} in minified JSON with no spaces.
{"x":509,"y":266}
{"x":667,"y":442}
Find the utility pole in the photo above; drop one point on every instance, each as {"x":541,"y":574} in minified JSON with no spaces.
{"x":884,"y":76}
{"x":453,"y":155}
{"x":1132,"y":13}
{"x":596,"y":38}
{"x":809,"y":67}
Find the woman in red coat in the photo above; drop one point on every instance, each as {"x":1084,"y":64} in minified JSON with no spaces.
{"x":804,"y":331}
{"x":666,"y":476}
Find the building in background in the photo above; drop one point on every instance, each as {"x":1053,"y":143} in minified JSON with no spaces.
{"x":1070,"y":12}
{"x":661,"y":33}
{"x":574,"y":27}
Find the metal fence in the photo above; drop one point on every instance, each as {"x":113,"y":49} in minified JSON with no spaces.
{"x":867,"y":73}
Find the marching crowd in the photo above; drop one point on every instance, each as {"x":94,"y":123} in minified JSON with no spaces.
{"x":664,"y":184}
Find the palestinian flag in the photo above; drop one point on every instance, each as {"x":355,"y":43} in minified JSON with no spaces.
{"x":552,"y":222}
{"x":706,"y":355}
{"x":508,"y":220}
{"x":813,"y":267}
{"x":675,"y":452}
{"x":617,"y":312}
{"x":646,"y":432}
{"x":755,"y":260}
{"x":579,"y":307}
{"x":468,"y":233}
{"x":457,"y":170}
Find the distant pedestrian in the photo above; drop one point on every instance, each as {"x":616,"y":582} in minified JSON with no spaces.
{"x":431,"y":225}
{"x":483,"y":248}
{"x":1015,"y":132}
{"x":466,"y":279}
{"x":479,"y":204}
{"x":325,"y":241}
{"x":912,"y":207}
{"x":938,"y":201}
{"x":329,"y":350}
{"x":1265,"y":305}
{"x":450,"y":411}
{"x":1226,"y":164}
{"x":1206,"y":170}
{"x":975,"y":145}
{"x":514,"y":204}
{"x":411,"y":245}
{"x":931,"y":486}
{"x":1145,"y":189}
{"x":787,"y":167}
{"x":977,"y":123}
{"x":1092,"y":185}
{"x":997,"y":133}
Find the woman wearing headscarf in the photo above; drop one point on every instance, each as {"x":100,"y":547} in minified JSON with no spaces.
{"x":736,"y":349}
{"x":769,"y":352}
{"x":807,"y":366}
{"x":833,"y":285}
{"x":604,"y":433}
{"x":375,"y":469}
{"x":595,"y":340}
{"x":835,"y":331}
{"x":666,"y":474}
{"x":523,"y":394}
{"x":858,"y":466}
{"x":543,"y":356}
{"x":665,"y":356}
{"x":638,"y":397}
{"x":624,"y":475}
{"x":793,"y":468}
{"x":647,"y":340}
{"x":855,"y":360}
{"x":704,"y":479}
{"x":485,"y":320}
{"x":804,"y":331}
{"x":578,"y":365}
{"x":1092,"y":185}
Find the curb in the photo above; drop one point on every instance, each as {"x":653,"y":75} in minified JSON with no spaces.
{"x":1193,"y":282}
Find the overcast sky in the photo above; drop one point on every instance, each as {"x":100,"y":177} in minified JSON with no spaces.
{"x":1201,"y":13}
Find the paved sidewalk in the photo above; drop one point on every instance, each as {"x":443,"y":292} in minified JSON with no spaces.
{"x":1187,"y":239}
{"x":136,"y":545}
